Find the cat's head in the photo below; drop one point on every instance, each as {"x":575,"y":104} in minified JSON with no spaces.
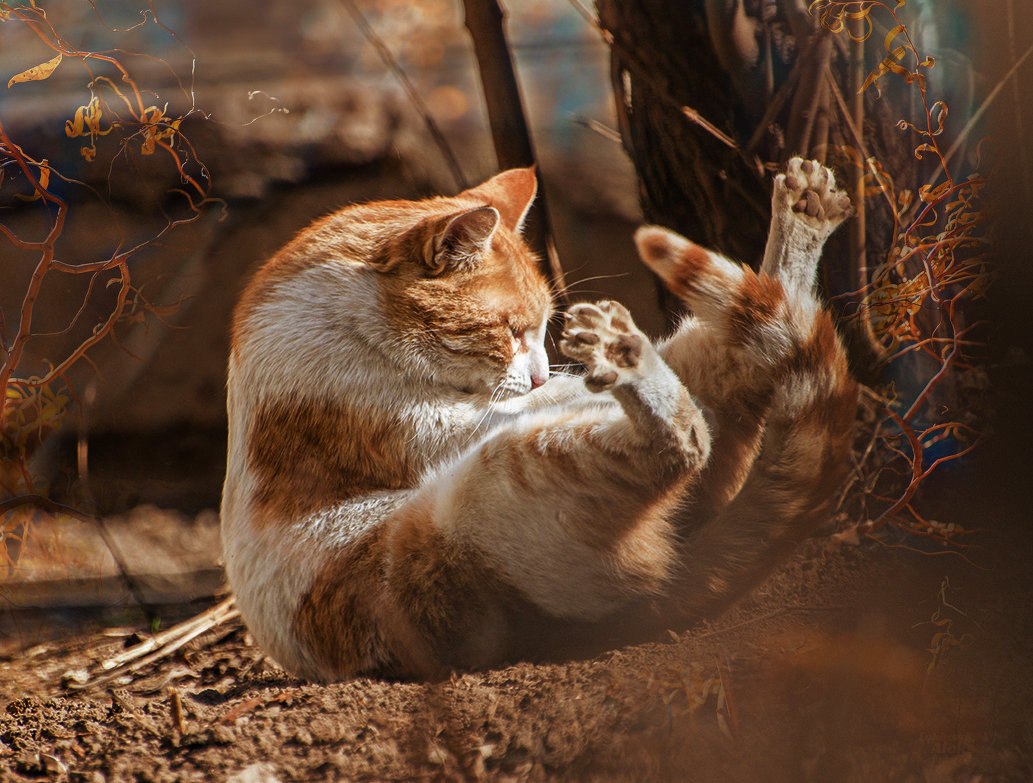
{"x":464,"y":294}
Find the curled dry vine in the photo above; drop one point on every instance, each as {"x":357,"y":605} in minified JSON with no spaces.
{"x":116,"y":124}
{"x":917,"y":302}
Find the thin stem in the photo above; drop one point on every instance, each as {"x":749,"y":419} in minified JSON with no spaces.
{"x":410,"y":90}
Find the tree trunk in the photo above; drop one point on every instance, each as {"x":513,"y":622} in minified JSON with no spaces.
{"x":690,"y":180}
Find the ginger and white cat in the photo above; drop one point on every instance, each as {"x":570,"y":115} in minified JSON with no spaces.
{"x":406,"y":495}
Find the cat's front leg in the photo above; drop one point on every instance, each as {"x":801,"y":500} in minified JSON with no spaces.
{"x":621,"y":359}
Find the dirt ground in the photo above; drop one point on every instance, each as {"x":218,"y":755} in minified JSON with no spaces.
{"x":855,"y":663}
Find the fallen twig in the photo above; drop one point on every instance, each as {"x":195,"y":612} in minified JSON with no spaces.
{"x":176,"y":709}
{"x":246,"y":706}
{"x":157,"y":647}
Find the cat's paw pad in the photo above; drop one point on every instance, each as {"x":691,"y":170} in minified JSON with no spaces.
{"x":605,"y":339}
{"x":807,"y":191}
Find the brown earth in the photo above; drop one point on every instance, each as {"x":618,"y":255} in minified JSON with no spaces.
{"x":850,"y":664}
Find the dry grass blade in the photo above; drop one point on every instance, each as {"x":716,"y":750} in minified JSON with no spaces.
{"x":157,"y":647}
{"x":202,"y":621}
{"x":411,"y":92}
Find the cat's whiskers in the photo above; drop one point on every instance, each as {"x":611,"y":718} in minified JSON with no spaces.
{"x":565,"y":370}
{"x":571,"y":286}
{"x":496,"y":396}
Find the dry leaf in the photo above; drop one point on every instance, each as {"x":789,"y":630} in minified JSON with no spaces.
{"x":38,"y":72}
{"x":889,"y":64}
{"x":921,"y":148}
{"x":930,"y":194}
{"x":44,"y":183}
{"x":891,"y":35}
{"x":87,"y":121}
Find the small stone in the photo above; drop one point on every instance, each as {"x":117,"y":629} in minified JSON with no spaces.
{"x":74,"y":677}
{"x":52,"y":764}
{"x":437,"y":755}
{"x":323,"y":730}
{"x":223,"y":735}
{"x":261,"y":772}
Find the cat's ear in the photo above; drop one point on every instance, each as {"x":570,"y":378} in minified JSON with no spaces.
{"x":511,"y":193}
{"x":460,"y":241}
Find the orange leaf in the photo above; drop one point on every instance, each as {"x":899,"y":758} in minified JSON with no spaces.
{"x":923,"y":148}
{"x":891,"y":35}
{"x":38,"y":72}
{"x":939,"y":112}
{"x":87,"y":121}
{"x":855,"y":16}
{"x":889,"y":64}
{"x":44,"y":183}
{"x":929,"y":195}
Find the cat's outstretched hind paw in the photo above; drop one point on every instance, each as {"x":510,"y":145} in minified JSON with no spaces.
{"x":807,"y":191}
{"x":605,"y":339}
{"x":806,"y":207}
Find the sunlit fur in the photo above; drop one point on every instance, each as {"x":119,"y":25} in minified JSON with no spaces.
{"x":405,"y":495}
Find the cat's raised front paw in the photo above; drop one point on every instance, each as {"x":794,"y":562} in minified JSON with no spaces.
{"x":605,"y":339}
{"x":807,"y":191}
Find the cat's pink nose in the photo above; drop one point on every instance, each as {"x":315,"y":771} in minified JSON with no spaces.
{"x":538,"y":380}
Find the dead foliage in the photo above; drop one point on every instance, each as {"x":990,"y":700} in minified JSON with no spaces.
{"x":916,"y":305}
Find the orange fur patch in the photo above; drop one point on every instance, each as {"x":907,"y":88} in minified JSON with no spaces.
{"x":446,"y":608}
{"x":336,"y":620}
{"x":692,"y":264}
{"x":475,"y":310}
{"x":309,"y":455}
{"x":757,"y":302}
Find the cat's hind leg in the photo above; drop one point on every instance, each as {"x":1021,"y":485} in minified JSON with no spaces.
{"x":724,"y":352}
{"x":806,"y":207}
{"x":744,"y":325}
{"x":762,"y":352}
